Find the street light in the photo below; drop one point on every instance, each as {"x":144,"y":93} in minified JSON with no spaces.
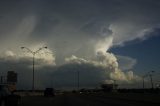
{"x":143,"y":80}
{"x":33,"y":53}
{"x":78,"y":79}
{"x":150,"y":75}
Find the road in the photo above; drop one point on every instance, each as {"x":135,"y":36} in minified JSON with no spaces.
{"x":81,"y":100}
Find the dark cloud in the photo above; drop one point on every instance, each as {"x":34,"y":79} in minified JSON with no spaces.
{"x":45,"y":26}
{"x":74,"y":27}
{"x":64,"y":76}
{"x":81,"y":18}
{"x":89,"y":75}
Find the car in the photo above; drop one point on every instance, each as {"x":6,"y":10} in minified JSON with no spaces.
{"x":49,"y":92}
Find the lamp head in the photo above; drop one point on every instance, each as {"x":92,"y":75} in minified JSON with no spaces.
{"x":22,"y":47}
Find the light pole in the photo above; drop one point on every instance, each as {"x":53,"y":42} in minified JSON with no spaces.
{"x":150,"y":75}
{"x":114,"y":82}
{"x":143,"y":80}
{"x":78,"y":79}
{"x":33,"y":53}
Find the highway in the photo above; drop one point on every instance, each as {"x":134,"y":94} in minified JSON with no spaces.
{"x":82,"y":100}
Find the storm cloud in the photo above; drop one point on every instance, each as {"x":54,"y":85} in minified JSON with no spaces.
{"x":92,"y":73}
{"x":78,"y":32}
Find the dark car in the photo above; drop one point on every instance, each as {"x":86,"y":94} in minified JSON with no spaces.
{"x":49,"y":92}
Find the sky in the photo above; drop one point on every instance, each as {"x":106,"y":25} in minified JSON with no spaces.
{"x":103,"y":40}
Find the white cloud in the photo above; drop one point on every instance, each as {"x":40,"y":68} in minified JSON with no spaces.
{"x":105,"y":44}
{"x":74,"y":59}
{"x":92,"y":72}
{"x":125,"y":62}
{"x":124,"y":32}
{"x":108,"y":62}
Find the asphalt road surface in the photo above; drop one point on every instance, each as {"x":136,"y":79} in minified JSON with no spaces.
{"x":82,"y":100}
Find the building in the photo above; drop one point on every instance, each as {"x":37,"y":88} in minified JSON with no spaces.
{"x":11,"y":80}
{"x":11,"y":77}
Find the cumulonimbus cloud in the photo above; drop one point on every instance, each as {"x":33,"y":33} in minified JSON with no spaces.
{"x":92,"y":73}
{"x":86,"y":32}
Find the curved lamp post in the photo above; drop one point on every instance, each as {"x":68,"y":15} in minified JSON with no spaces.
{"x":33,"y":53}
